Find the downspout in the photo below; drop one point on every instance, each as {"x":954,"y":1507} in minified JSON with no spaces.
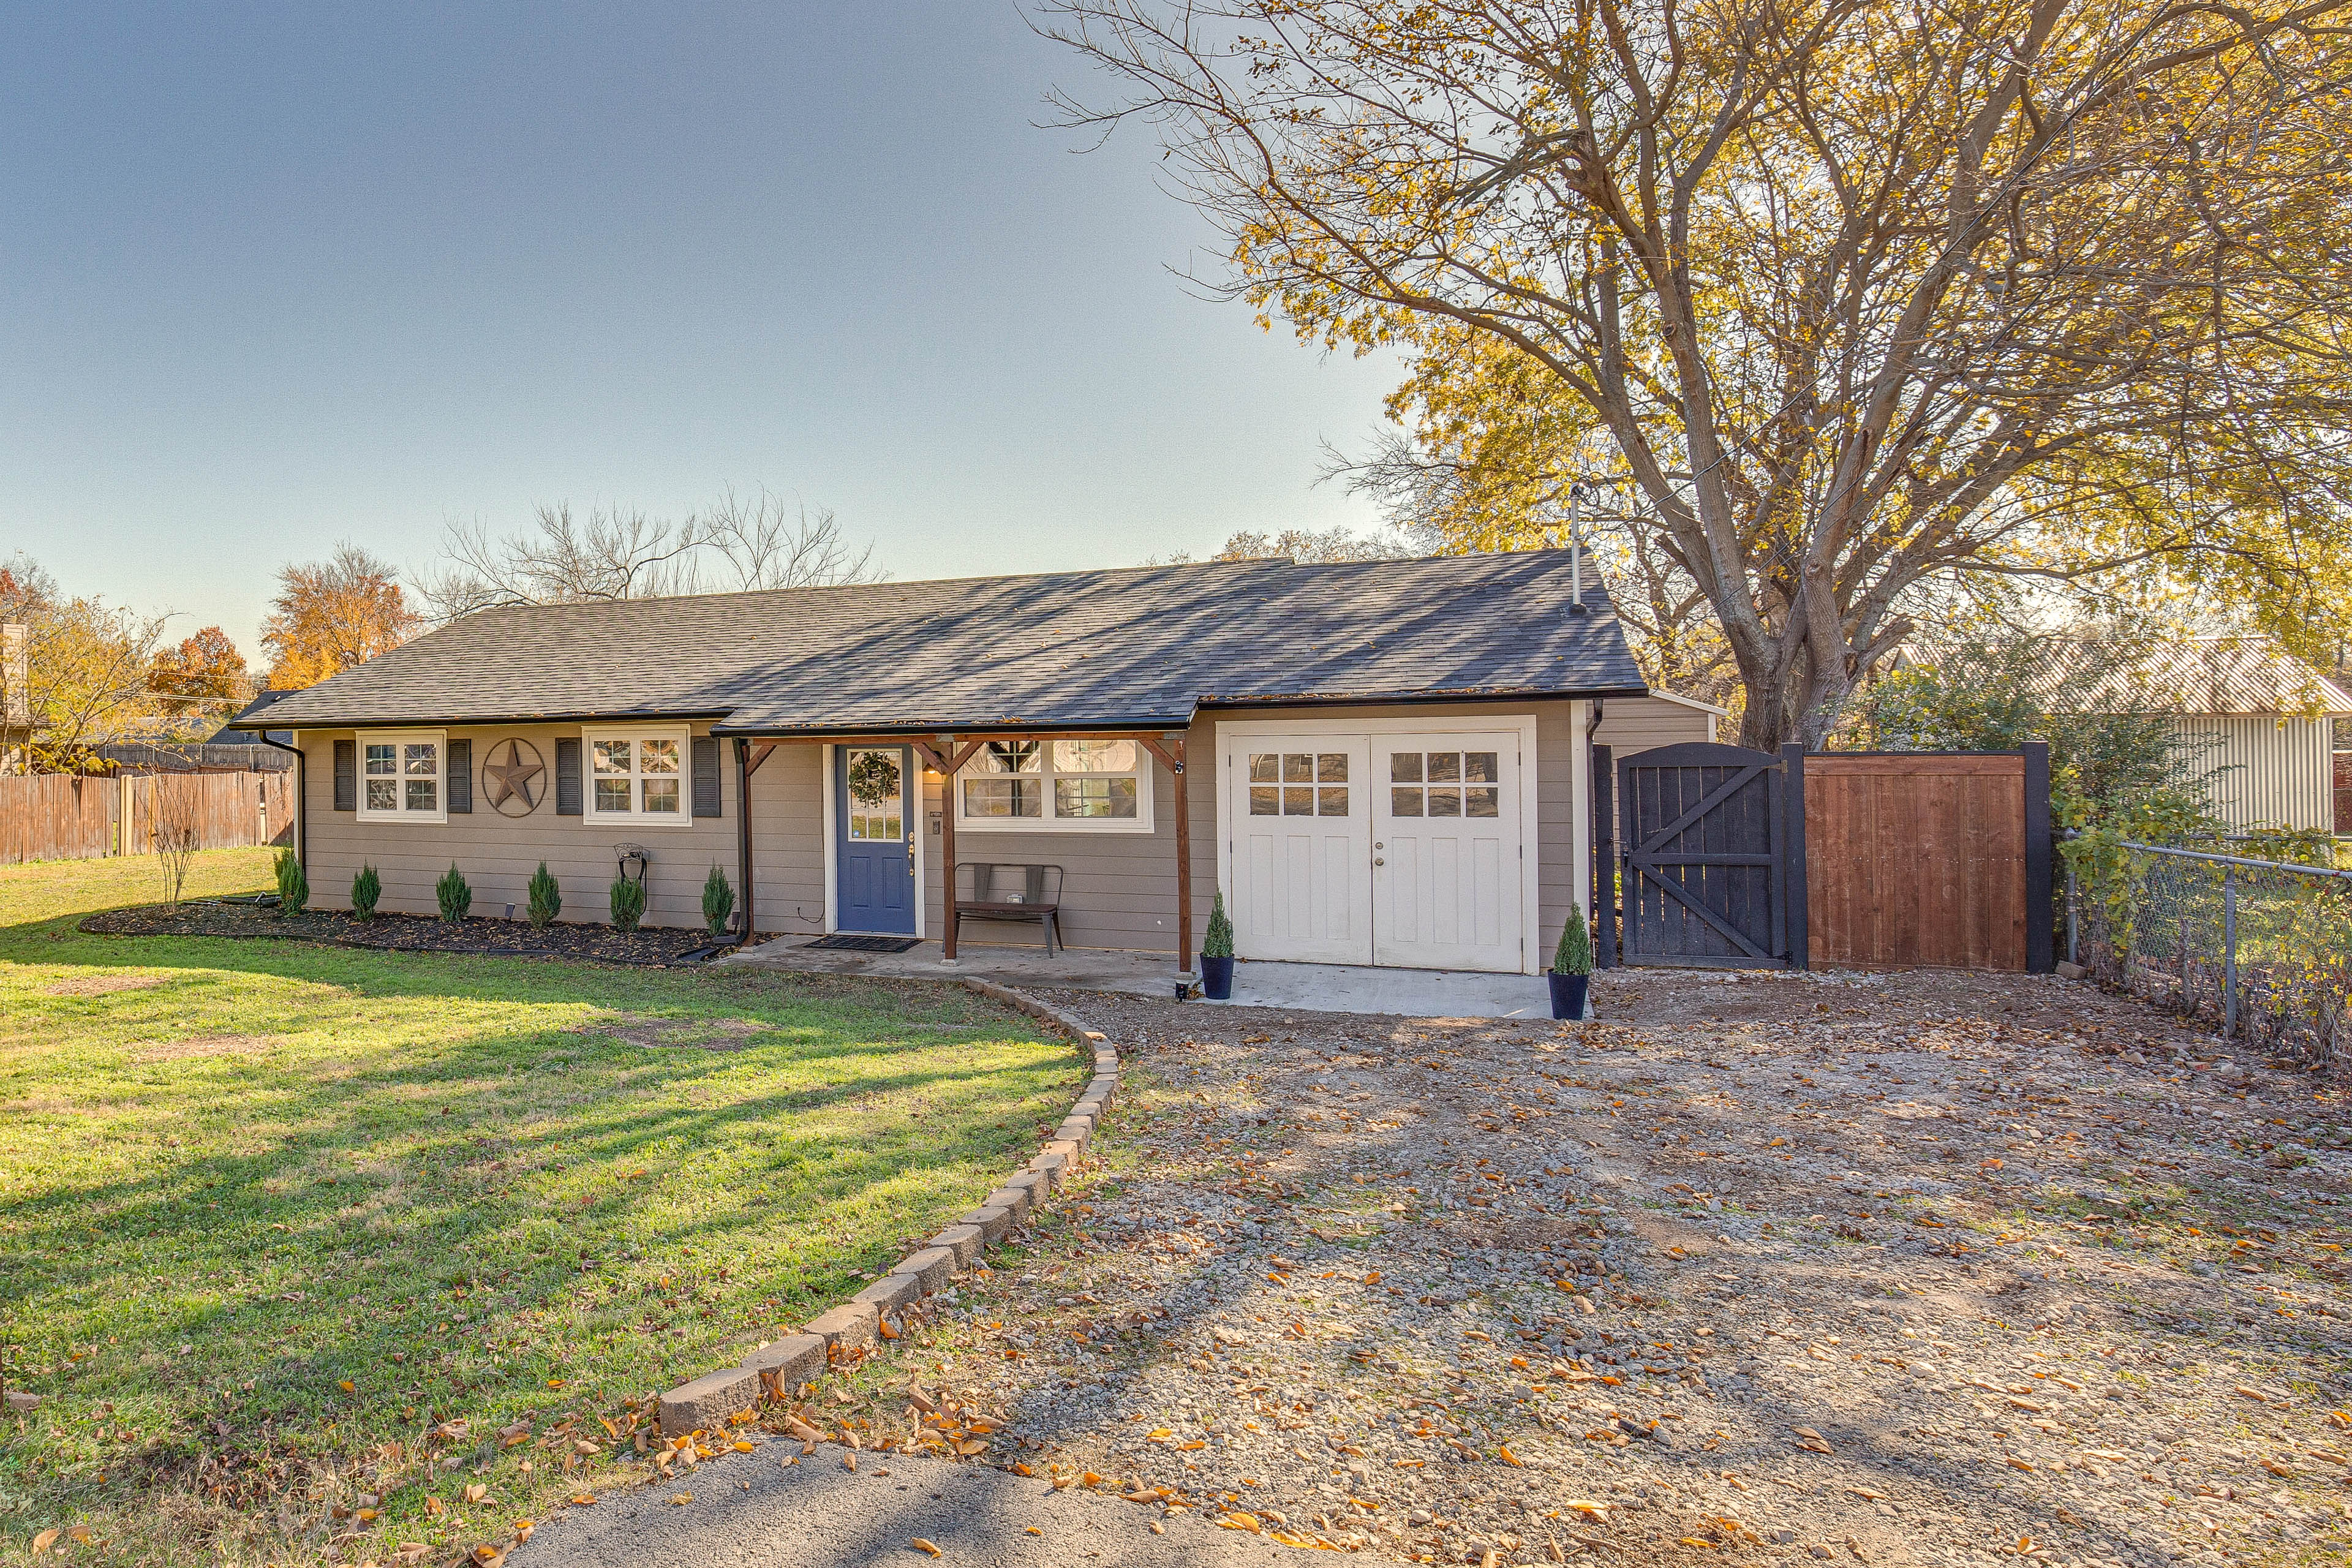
{"x":743,"y":835}
{"x":301,"y":800}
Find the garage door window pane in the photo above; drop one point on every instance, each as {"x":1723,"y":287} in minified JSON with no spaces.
{"x":1297,"y":802}
{"x":1404,"y":803}
{"x":1297,"y":767}
{"x":1445,"y":767}
{"x":1266,"y":767}
{"x":1332,"y":802}
{"x":1445,"y":802}
{"x":1264,"y":801}
{"x":1481,"y":802}
{"x":1404,"y":767}
{"x":1331,"y":767}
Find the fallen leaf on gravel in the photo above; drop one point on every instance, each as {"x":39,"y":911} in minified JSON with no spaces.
{"x":1239,"y":1522}
{"x":584,"y":1499}
{"x":679,"y":1500}
{"x":924,"y":1546}
{"x":1599,"y":1510}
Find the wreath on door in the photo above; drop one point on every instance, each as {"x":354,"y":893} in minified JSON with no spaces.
{"x":873,"y":778}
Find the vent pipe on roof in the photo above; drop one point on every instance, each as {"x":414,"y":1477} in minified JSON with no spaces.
{"x":1576,"y":605}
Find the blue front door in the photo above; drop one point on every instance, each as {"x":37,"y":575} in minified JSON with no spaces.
{"x":874,"y":847}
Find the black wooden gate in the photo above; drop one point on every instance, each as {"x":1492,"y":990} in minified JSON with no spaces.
{"x":1710,"y":858}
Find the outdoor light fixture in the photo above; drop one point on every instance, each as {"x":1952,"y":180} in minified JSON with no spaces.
{"x":633,"y":861}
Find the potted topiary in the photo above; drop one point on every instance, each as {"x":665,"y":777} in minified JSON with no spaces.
{"x":1571,"y":967}
{"x":1217,"y":953}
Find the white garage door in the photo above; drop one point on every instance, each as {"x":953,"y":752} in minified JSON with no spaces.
{"x":1447,"y":857}
{"x":1394,"y":848}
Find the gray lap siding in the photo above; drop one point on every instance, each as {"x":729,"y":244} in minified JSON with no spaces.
{"x":497,"y":854}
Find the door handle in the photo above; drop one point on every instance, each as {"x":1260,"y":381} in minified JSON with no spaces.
{"x":1377,"y":861}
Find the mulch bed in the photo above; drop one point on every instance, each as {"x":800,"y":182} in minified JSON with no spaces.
{"x":648,"y":948}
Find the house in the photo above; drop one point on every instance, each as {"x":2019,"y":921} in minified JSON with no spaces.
{"x":1377,"y":763}
{"x":2260,"y":724}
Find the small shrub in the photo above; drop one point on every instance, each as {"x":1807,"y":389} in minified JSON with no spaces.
{"x":628,"y":903}
{"x":546,"y":897}
{"x":366,"y":888}
{"x":293,"y":887}
{"x":1574,"y":953}
{"x":717,"y":902}
{"x":455,"y":897}
{"x":1219,"y":941}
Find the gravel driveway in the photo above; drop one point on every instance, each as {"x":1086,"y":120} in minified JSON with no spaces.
{"x":1916,"y":1267}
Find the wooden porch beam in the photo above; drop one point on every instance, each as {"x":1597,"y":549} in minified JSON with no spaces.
{"x":1172,"y":755}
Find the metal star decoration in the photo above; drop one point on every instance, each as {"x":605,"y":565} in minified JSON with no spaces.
{"x":514,"y":782}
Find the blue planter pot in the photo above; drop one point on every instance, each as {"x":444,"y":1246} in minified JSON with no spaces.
{"x":1217,"y":978}
{"x":1568,"y":993}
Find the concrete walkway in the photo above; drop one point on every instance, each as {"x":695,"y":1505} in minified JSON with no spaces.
{"x":1310,"y":987}
{"x":748,"y":1510}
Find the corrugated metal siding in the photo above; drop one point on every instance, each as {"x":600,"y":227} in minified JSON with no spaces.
{"x":2268,"y":773}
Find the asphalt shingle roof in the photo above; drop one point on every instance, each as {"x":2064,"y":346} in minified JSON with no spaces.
{"x":1142,"y":647}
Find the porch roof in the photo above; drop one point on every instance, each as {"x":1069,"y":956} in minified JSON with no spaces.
{"x":1133,"y":648}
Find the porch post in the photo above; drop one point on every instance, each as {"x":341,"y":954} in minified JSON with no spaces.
{"x":1183,"y":858}
{"x":946,"y":758}
{"x":743,"y":834}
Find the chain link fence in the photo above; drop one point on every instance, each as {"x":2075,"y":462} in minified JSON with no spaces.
{"x":2259,"y":950}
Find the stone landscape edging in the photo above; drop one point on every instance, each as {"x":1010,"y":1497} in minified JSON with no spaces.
{"x":773,"y":1370}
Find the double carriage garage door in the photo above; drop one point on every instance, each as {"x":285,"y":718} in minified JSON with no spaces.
{"x":1404,"y":848}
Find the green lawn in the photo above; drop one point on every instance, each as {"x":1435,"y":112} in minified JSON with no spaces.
{"x":269,"y":1213}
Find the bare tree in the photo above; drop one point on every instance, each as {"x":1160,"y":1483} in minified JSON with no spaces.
{"x":179,"y":832}
{"x":616,"y":552}
{"x":1856,"y":294}
{"x":765,"y":544}
{"x":610,"y":553}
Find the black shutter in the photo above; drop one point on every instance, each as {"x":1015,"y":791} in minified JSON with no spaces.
{"x":706,"y":776}
{"x":459,"y":768}
{"x":567,"y":778}
{"x":347,"y":776}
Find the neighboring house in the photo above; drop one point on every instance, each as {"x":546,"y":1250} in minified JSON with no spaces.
{"x":1377,"y":763}
{"x":2261,"y":723}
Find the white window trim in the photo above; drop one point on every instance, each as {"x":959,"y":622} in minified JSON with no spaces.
{"x":440,"y":739}
{"x":1145,"y":819}
{"x":592,"y":733}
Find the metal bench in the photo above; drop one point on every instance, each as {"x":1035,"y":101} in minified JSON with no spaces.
{"x":988,"y":890}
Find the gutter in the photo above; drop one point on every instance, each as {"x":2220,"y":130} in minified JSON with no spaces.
{"x":302,"y":799}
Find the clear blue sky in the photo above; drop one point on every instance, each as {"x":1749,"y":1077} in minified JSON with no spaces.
{"x":275,"y":277}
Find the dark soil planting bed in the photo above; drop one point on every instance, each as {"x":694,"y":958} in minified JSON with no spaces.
{"x":409,"y":933}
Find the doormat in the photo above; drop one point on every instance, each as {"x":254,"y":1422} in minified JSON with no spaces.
{"x":865,"y":944}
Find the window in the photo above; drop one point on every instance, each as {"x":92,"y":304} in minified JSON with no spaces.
{"x":400,"y":776}
{"x":1298,"y":784}
{"x":1445,"y":784}
{"x":1057,"y":785}
{"x":637,"y":775}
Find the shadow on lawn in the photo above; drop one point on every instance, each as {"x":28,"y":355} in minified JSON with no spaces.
{"x":318,"y":1209}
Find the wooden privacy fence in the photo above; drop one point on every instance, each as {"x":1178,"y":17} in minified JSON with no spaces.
{"x":1927,"y":860}
{"x":1723,"y":856}
{"x":57,"y":817}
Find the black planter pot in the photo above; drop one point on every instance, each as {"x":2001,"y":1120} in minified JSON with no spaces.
{"x":1568,"y":994}
{"x":1216,"y":978}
